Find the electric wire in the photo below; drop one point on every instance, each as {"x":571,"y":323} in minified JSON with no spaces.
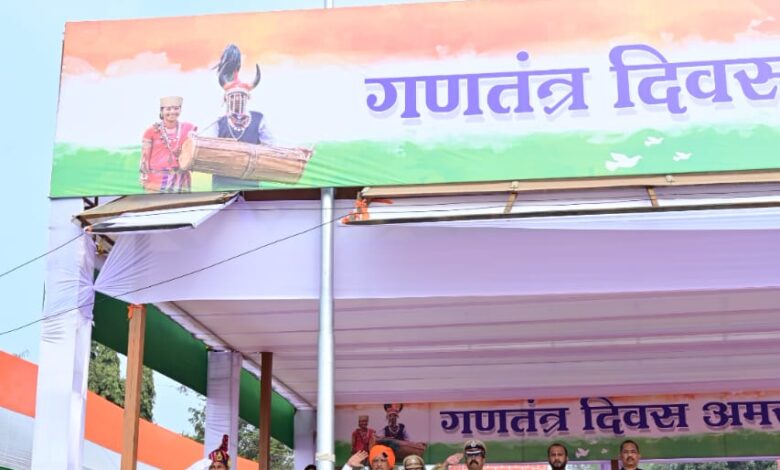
{"x":175,"y":278}
{"x":43,"y":255}
{"x":582,"y":201}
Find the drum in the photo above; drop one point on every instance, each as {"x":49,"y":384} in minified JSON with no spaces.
{"x":255,"y":162}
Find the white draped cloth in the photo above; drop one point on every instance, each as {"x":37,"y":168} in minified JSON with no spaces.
{"x":65,"y":343}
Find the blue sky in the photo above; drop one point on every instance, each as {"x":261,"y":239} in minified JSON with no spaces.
{"x":31,"y":42}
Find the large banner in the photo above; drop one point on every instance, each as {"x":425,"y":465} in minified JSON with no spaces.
{"x":668,"y":426}
{"x":417,"y":94}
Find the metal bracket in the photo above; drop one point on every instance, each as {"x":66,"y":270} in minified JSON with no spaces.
{"x":512,"y":197}
{"x":653,"y":196}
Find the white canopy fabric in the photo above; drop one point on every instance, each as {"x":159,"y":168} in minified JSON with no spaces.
{"x":764,"y":218}
{"x":430,"y":313}
{"x":267,"y":260}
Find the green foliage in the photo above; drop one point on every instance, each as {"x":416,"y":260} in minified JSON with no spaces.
{"x":104,"y":379}
{"x":198,"y":420}
{"x":248,"y":440}
{"x":147,"y":394}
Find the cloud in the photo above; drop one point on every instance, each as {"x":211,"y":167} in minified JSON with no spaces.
{"x":142,"y":63}
{"x":766,"y":26}
{"x":77,"y":66}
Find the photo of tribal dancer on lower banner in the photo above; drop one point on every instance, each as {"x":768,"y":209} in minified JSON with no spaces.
{"x":415,"y":94}
{"x":665,"y":426}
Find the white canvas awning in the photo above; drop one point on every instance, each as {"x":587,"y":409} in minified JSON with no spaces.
{"x":709,"y":207}
{"x":151,"y":213}
{"x":429,"y":313}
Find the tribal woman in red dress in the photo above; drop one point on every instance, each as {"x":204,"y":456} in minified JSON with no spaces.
{"x":160,"y":171}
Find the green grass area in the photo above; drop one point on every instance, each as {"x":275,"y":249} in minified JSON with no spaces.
{"x":83,"y":171}
{"x":89,"y":171}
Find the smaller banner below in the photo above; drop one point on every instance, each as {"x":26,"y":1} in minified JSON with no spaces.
{"x":592,"y":428}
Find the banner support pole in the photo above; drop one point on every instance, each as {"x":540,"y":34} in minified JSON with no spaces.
{"x":325,"y":454}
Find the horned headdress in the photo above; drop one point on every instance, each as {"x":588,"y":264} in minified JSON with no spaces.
{"x":228,"y":68}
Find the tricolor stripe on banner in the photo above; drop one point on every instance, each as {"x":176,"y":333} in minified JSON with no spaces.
{"x":325,"y":76}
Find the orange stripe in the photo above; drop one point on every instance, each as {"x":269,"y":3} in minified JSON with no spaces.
{"x":157,"y":446}
{"x":17,"y":384}
{"x":369,"y":34}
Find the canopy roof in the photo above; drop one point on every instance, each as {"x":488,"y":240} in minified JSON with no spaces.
{"x":430,"y":313}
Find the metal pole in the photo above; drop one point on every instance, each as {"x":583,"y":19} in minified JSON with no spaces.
{"x":325,"y":455}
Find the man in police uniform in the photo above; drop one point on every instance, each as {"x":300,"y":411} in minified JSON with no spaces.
{"x":474,"y":452}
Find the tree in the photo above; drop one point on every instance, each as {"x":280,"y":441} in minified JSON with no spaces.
{"x":248,"y":440}
{"x":104,"y":379}
{"x":198,"y":420}
{"x":147,"y":394}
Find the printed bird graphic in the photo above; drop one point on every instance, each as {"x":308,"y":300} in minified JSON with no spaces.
{"x":604,"y":451}
{"x":581,"y":452}
{"x":620,"y":160}
{"x":652,"y":140}
{"x":681,"y":156}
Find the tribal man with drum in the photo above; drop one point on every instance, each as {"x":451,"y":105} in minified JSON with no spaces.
{"x":238,"y":123}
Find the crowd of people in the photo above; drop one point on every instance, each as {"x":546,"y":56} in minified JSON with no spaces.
{"x":381,"y":457}
{"x":474,"y":454}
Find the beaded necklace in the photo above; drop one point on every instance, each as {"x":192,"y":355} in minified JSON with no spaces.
{"x":166,"y":140}
{"x":230,"y":126}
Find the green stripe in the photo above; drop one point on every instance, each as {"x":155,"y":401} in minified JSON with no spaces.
{"x":172,"y":351}
{"x":90,"y":171}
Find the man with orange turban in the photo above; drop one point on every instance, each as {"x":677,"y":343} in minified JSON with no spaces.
{"x":380,"y":458}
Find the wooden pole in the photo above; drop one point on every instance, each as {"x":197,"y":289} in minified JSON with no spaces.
{"x":135,"y":364}
{"x":266,"y":373}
